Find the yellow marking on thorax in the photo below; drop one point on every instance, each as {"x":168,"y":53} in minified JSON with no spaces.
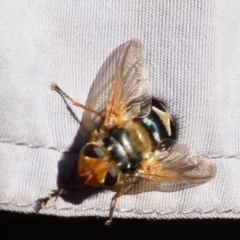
{"x":140,"y":138}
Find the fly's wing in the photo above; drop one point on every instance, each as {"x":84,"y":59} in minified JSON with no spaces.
{"x":174,"y":167}
{"x":190,"y":166}
{"x":130,"y":93}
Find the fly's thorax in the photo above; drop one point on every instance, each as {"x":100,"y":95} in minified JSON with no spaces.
{"x":140,"y":138}
{"x":128,"y":146}
{"x":95,"y":167}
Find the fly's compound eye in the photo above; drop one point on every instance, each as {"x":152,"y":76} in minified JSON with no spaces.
{"x":93,"y":151}
{"x":111,"y":177}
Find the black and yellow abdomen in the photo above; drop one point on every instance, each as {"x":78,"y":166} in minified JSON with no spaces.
{"x":130,"y":145}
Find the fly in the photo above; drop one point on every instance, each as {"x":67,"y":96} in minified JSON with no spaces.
{"x":136,"y":139}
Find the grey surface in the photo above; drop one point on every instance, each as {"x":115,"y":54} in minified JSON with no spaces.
{"x":193,"y":58}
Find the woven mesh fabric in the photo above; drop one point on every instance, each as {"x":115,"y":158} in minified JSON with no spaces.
{"x":193,"y":53}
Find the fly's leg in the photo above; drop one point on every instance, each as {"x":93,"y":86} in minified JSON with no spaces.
{"x":56,"y":88}
{"x":42,"y":202}
{"x":115,"y":198}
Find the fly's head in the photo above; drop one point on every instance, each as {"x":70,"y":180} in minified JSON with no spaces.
{"x":95,"y":167}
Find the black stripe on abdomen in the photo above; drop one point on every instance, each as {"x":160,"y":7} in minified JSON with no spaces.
{"x":158,"y":127}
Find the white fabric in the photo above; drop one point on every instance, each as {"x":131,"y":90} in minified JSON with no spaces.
{"x":193,"y":55}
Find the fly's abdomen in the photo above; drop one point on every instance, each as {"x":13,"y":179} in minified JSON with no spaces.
{"x":159,"y":124}
{"x":130,"y":145}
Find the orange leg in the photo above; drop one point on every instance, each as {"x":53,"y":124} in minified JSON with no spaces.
{"x":42,"y":202}
{"x":115,"y":198}
{"x":55,"y":87}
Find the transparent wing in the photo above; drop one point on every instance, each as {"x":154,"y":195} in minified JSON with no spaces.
{"x":174,"y":167}
{"x":189,"y":165}
{"x":130,"y":93}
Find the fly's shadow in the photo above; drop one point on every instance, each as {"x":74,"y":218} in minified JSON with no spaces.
{"x":97,"y":99}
